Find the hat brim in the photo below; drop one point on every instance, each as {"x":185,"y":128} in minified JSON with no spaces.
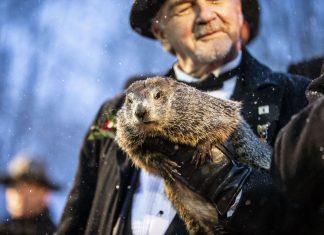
{"x":8,"y":180}
{"x":251,"y":11}
{"x":142,"y":14}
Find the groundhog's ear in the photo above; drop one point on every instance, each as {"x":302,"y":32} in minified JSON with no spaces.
{"x":171,"y":81}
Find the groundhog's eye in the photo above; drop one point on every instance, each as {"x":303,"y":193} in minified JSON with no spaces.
{"x":157,"y":95}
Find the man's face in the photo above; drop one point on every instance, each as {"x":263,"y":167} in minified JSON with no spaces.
{"x":26,"y":199}
{"x":200,"y":31}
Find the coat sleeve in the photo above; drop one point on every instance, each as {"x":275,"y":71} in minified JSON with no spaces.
{"x":298,"y":170}
{"x":298,"y":165}
{"x":79,"y":201}
{"x":260,"y":209}
{"x":78,"y":205}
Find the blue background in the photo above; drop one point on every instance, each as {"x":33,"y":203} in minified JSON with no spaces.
{"x":59,"y":60}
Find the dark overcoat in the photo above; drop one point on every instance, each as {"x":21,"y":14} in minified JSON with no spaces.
{"x":104,"y":184}
{"x":40,"y":224}
{"x":298,"y":166}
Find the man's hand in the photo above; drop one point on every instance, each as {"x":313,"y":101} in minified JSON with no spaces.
{"x":218,"y":181}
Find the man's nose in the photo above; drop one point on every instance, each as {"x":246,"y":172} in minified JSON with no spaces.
{"x":204,"y":12}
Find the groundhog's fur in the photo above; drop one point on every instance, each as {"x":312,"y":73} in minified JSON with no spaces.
{"x":162,"y":107}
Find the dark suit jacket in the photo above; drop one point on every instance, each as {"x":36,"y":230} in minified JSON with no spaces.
{"x":99,"y":201}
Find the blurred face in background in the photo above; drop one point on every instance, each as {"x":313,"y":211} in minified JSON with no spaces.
{"x":25,"y":199}
{"x":200,"y":32}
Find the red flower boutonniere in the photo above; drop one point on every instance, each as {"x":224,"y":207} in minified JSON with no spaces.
{"x":105,"y":130}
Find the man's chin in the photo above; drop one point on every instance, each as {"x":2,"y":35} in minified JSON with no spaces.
{"x":211,"y":51}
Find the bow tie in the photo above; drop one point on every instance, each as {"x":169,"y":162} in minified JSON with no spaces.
{"x":212,"y":82}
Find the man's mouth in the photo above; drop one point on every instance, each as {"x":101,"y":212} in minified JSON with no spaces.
{"x":208,"y":35}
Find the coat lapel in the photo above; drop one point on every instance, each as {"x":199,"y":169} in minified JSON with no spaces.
{"x":123,"y":224}
{"x":261,"y":97}
{"x":177,"y":226}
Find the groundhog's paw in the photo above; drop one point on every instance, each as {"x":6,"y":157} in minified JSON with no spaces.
{"x":169,"y":169}
{"x":202,"y":154}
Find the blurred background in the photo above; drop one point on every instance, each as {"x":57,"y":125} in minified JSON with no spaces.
{"x":59,"y":60}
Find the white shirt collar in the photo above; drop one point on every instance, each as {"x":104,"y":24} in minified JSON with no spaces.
{"x":182,"y":76}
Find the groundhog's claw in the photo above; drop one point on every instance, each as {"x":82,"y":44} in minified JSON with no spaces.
{"x":169,"y":168}
{"x":200,"y":157}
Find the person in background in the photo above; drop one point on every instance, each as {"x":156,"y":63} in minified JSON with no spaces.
{"x":298,"y":164}
{"x":27,"y":196}
{"x":110,"y":196}
{"x":308,"y":68}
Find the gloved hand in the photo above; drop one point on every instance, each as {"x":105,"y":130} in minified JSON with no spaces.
{"x":218,"y":182}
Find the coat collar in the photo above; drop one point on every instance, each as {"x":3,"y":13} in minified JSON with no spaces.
{"x":254,"y":75}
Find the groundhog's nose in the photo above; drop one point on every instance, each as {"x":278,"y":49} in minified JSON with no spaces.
{"x":140,"y":112}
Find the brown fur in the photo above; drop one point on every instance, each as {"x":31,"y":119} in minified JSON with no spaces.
{"x":162,"y":107}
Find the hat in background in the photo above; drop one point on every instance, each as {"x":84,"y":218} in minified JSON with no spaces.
{"x":26,"y":168}
{"x":143,"y":12}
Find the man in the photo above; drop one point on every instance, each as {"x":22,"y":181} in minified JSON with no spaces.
{"x":27,"y":194}
{"x":109,"y":196}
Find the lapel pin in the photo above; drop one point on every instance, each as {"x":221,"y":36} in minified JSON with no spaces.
{"x":263,"y":109}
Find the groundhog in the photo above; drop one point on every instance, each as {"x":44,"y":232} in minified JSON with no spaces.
{"x":162,"y":107}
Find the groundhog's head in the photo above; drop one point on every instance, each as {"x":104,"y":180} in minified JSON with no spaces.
{"x":147,"y":102}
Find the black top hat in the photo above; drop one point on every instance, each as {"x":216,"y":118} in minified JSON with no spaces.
{"x":143,"y":11}
{"x":23,"y":168}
